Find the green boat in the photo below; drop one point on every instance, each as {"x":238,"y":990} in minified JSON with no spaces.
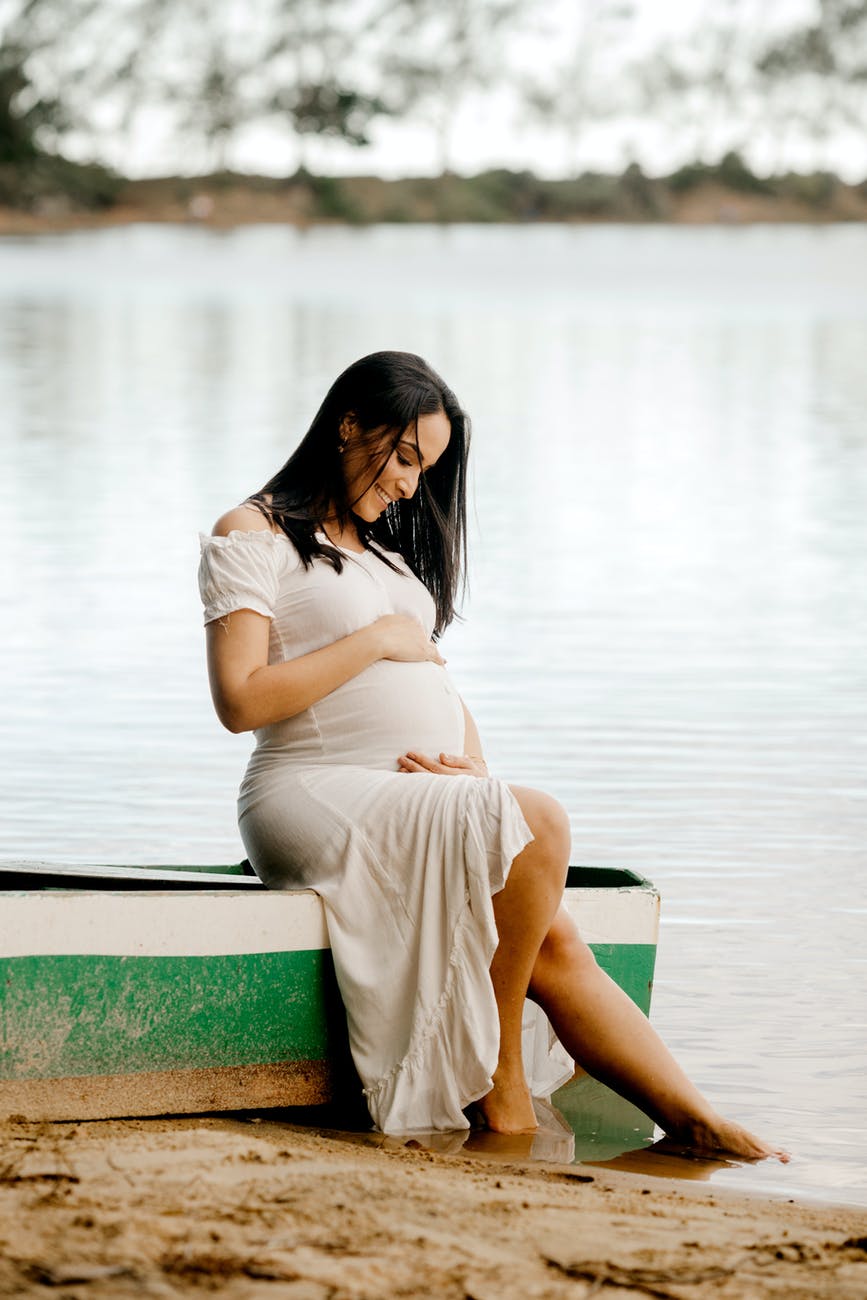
{"x":177,"y":990}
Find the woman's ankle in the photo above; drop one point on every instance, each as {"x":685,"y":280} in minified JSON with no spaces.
{"x":508,"y":1107}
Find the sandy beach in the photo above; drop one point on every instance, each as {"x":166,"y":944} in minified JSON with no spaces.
{"x":252,"y":1206}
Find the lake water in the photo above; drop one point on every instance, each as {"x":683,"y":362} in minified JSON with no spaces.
{"x":667,"y":617}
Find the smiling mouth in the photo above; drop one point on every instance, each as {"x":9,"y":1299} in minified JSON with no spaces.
{"x":383,"y":496}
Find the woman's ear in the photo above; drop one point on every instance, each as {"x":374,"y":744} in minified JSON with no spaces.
{"x":348,"y":425}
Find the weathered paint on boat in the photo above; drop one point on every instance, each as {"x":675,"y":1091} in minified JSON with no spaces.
{"x":142,"y":991}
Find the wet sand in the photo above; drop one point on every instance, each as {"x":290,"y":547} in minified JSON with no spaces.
{"x":255,"y":1206}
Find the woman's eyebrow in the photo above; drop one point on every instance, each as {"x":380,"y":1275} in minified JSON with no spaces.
{"x":412,"y":447}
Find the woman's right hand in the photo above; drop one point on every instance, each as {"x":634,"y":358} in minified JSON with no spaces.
{"x":402,"y":637}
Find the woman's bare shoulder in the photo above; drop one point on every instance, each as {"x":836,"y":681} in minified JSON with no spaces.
{"x":245,"y":518}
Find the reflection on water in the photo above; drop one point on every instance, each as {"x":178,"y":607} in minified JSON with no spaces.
{"x":667,"y":614}
{"x":553,"y":1141}
{"x":604,"y":1124}
{"x":585,"y":1123}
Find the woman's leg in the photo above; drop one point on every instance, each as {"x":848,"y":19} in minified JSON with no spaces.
{"x":607,"y":1034}
{"x":524,"y":910}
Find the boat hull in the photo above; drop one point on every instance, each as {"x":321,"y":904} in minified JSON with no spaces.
{"x":121,"y":1002}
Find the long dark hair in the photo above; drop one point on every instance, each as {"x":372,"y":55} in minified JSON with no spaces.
{"x":386,"y":392}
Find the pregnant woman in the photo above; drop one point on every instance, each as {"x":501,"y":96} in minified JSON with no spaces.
{"x":442,"y":885}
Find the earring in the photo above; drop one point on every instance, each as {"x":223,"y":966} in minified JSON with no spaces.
{"x":341,"y":446}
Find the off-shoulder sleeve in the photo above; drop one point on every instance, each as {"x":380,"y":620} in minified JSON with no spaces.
{"x":240,"y":571}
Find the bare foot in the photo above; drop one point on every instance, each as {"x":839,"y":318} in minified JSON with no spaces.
{"x":508,"y":1107}
{"x":718,"y":1134}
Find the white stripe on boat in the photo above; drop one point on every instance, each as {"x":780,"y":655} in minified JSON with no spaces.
{"x":203,"y":923}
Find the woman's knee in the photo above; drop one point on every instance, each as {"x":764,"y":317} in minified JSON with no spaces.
{"x":547,"y":819}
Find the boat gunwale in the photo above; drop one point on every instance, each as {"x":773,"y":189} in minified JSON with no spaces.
{"x":28,"y":876}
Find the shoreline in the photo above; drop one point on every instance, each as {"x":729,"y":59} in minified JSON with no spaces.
{"x":15,"y":224}
{"x":27,"y":225}
{"x":243,"y":1202}
{"x":727,"y":194}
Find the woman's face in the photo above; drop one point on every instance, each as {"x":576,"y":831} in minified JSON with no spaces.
{"x":400,"y":475}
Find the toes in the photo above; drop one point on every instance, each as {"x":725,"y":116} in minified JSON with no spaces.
{"x":725,"y":1138}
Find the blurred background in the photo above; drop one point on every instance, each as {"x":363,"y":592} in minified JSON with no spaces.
{"x":638,"y":111}
{"x":632,"y":239}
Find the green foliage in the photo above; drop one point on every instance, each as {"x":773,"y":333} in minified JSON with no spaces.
{"x":500,"y":195}
{"x":688,"y":177}
{"x":30,"y":175}
{"x":734,"y":174}
{"x":731,"y":173}
{"x":808,"y":50}
{"x":639,"y":195}
{"x":516,"y":193}
{"x":592,"y":194}
{"x":23,"y":111}
{"x":331,"y":199}
{"x":48,"y":180}
{"x":816,"y":190}
{"x":330,"y":110}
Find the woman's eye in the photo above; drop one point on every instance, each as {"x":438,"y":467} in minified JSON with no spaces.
{"x":401,"y":460}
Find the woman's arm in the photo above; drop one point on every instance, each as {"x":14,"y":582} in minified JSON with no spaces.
{"x":248,"y":692}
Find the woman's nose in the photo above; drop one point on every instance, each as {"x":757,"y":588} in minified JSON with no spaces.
{"x":407,"y":484}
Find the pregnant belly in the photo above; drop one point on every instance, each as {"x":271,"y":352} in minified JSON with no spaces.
{"x":389,"y":708}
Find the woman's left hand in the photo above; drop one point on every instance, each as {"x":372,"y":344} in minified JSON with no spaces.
{"x":445,"y":765}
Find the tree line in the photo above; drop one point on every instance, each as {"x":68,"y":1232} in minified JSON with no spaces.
{"x":87,"y":70}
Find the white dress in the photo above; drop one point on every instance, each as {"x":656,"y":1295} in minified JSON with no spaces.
{"x":405,"y":863}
